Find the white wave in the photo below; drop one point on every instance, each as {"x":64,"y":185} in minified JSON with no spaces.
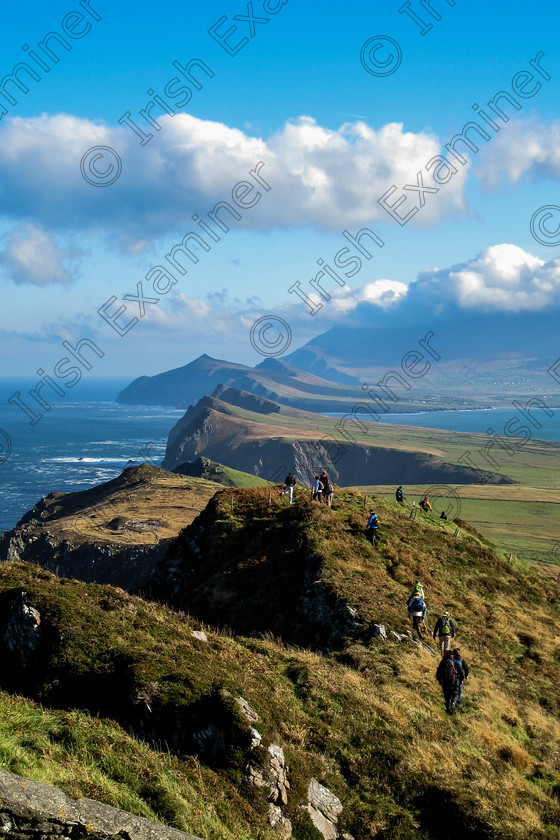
{"x":85,"y":460}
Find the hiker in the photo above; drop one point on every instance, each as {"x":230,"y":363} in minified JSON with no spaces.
{"x":417,"y":589}
{"x":324,"y":479}
{"x":445,"y":631}
{"x":443,"y":515}
{"x":290,"y":482}
{"x":450,"y":675}
{"x":372,"y":527}
{"x":317,"y":489}
{"x":328,"y":491}
{"x":417,"y":611}
{"x":458,"y":658}
{"x":399,"y":495}
{"x":425,"y":505}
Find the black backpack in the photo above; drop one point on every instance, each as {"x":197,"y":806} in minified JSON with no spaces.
{"x":450,"y":671}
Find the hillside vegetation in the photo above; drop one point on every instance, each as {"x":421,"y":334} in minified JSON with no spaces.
{"x":123,"y":702}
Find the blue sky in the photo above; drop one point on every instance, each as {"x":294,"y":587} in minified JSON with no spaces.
{"x":333,"y":139}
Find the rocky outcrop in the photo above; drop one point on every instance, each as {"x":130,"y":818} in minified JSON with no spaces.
{"x":33,"y":811}
{"x":324,"y":808}
{"x":329,"y":617}
{"x":130,"y":568}
{"x":22,"y":635}
{"x":273,"y":774}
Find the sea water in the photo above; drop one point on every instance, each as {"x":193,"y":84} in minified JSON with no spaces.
{"x":85,"y":439}
{"x":476,"y":420}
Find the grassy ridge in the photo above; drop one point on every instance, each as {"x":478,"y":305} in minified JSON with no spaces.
{"x":367,"y":720}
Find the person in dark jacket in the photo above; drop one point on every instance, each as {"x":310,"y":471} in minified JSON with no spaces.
{"x":289,"y":485}
{"x":399,"y":495}
{"x":425,"y":504}
{"x":450,"y":675}
{"x":445,"y":631}
{"x":458,"y":658}
{"x":325,"y":481}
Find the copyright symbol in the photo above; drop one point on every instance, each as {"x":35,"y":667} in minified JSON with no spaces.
{"x":443,"y":498}
{"x":543,"y":232}
{"x":5,"y":446}
{"x":555,"y":553}
{"x":271,"y":336}
{"x":374,"y":56}
{"x":101,"y":174}
{"x":144,"y":452}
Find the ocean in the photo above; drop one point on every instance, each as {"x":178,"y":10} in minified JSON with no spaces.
{"x":90,"y":439}
{"x":79,"y":443}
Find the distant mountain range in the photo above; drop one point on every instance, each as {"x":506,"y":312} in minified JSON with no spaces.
{"x":469,"y":360}
{"x":489,"y":355}
{"x":272,"y":379}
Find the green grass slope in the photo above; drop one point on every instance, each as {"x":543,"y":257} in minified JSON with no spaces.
{"x":295,"y":591}
{"x":212,"y":471}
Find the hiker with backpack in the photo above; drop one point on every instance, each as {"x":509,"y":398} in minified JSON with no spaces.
{"x":445,"y":631}
{"x":458,"y":658}
{"x":425,"y":504}
{"x":317,"y":489}
{"x":290,"y":482}
{"x":450,"y":675}
{"x":417,"y":611}
{"x":372,"y":527}
{"x":417,"y":589}
{"x":399,"y":495}
{"x":328,"y":491}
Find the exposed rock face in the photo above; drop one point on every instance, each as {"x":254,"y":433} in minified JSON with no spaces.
{"x":272,"y":774}
{"x":324,"y":808}
{"x":33,"y":811}
{"x":22,"y":635}
{"x":113,"y":533}
{"x":130,"y":568}
{"x":331,"y":618}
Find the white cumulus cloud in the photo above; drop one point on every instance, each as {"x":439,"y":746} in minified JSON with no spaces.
{"x":328,"y":179}
{"x":502,"y":278}
{"x":32,"y":256}
{"x":527,"y":148}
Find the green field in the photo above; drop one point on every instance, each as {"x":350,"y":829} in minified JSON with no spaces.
{"x":524,"y":521}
